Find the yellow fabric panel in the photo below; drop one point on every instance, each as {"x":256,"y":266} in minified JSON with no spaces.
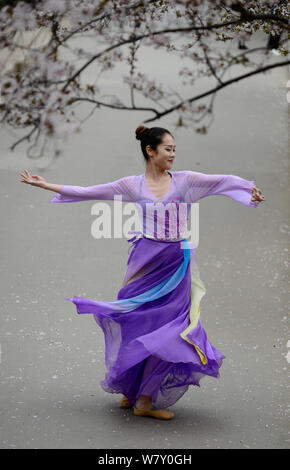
{"x":197,"y":292}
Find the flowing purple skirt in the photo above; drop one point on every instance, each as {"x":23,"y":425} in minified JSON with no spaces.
{"x":155,"y":344}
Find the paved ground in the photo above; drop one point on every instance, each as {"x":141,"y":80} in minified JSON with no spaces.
{"x":52,"y":360}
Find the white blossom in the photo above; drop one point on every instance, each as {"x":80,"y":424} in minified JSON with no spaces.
{"x":44,"y":60}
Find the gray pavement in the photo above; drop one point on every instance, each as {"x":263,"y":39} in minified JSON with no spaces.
{"x":52,"y":360}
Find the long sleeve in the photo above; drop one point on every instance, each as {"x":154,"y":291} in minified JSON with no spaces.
{"x":123,"y":186}
{"x":199,"y":185}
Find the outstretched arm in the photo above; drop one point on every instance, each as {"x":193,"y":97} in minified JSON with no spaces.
{"x":200,"y":185}
{"x":67,"y":193}
{"x":106,"y":191}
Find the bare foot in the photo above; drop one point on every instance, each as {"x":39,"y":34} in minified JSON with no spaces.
{"x":159,"y":414}
{"x":124,"y":403}
{"x":144,"y":403}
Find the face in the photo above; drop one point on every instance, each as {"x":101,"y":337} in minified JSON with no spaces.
{"x":164,"y":154}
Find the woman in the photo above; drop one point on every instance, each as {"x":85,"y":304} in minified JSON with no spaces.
{"x":155,"y":345}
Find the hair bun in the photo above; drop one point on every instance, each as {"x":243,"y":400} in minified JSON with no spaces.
{"x":141,"y":131}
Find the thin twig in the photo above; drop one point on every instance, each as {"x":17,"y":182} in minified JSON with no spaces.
{"x":214,"y":90}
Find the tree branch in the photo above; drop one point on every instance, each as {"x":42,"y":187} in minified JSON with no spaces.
{"x":245,"y":16}
{"x":134,"y":38}
{"x":249,"y":16}
{"x":100,"y":18}
{"x":26,"y":137}
{"x":219,"y":87}
{"x":113,"y":106}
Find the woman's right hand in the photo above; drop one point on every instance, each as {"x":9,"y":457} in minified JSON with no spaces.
{"x":28,"y":179}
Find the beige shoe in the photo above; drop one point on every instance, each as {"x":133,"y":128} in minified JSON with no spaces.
{"x":124,"y":403}
{"x":159,"y":414}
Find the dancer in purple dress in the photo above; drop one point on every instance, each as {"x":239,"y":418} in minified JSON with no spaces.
{"x":155,"y":344}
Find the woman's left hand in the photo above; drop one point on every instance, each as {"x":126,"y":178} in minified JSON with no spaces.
{"x":257,"y":195}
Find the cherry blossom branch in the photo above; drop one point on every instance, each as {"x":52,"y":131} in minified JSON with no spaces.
{"x":159,"y":114}
{"x":26,"y":137}
{"x":219,"y":87}
{"x":95,"y":20}
{"x":40,"y":85}
{"x":114,"y":106}
{"x":134,"y":38}
{"x":249,"y":16}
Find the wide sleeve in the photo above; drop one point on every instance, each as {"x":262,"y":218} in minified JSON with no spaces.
{"x":123,"y":186}
{"x":199,"y":185}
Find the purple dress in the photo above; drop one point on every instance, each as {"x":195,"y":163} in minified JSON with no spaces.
{"x":155,"y":343}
